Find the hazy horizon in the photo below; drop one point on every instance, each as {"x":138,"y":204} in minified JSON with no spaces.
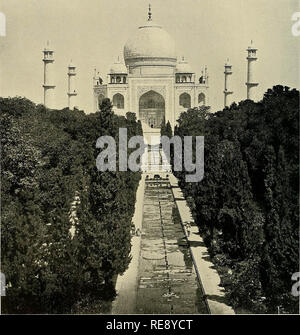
{"x":93,"y":33}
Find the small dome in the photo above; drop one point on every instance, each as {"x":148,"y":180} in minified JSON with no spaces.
{"x":118,"y":68}
{"x":48,"y":48}
{"x":183,"y":67}
{"x":71,"y":64}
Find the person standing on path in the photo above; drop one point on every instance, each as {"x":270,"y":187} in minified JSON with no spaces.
{"x":188,"y":229}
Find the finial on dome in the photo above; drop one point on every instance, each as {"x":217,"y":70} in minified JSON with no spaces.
{"x":149,"y":14}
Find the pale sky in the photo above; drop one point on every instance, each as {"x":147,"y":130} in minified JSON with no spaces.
{"x":93,"y":32}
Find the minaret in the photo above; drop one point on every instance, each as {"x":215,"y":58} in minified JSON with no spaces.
{"x":227,"y":73}
{"x":48,"y":77}
{"x":250,"y":76}
{"x":71,"y":85}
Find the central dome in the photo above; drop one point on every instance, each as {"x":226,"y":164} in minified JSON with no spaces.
{"x":150,"y":43}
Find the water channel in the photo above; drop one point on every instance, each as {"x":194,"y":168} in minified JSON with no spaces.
{"x":167,"y":282}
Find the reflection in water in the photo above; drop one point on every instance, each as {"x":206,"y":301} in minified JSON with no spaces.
{"x":166,"y":279}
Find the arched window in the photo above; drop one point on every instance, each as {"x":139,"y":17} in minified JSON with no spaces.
{"x":118,"y":101}
{"x":100,"y":99}
{"x":184,"y":79}
{"x":201,"y":99}
{"x":185,"y":100}
{"x":118,"y":80}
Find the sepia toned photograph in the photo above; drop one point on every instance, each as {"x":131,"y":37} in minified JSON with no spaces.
{"x":149,"y":158}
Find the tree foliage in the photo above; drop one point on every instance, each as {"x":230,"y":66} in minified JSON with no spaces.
{"x":48,"y":160}
{"x":247,"y":204}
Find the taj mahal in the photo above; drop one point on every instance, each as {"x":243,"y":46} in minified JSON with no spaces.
{"x":152,"y":83}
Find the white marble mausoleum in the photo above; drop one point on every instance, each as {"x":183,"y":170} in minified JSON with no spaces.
{"x":152,"y":82}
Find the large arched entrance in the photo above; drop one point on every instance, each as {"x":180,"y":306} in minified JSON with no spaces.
{"x":152,"y":109}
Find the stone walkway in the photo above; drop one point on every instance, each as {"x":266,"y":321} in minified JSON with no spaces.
{"x":205,"y":269}
{"x":126,"y":285}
